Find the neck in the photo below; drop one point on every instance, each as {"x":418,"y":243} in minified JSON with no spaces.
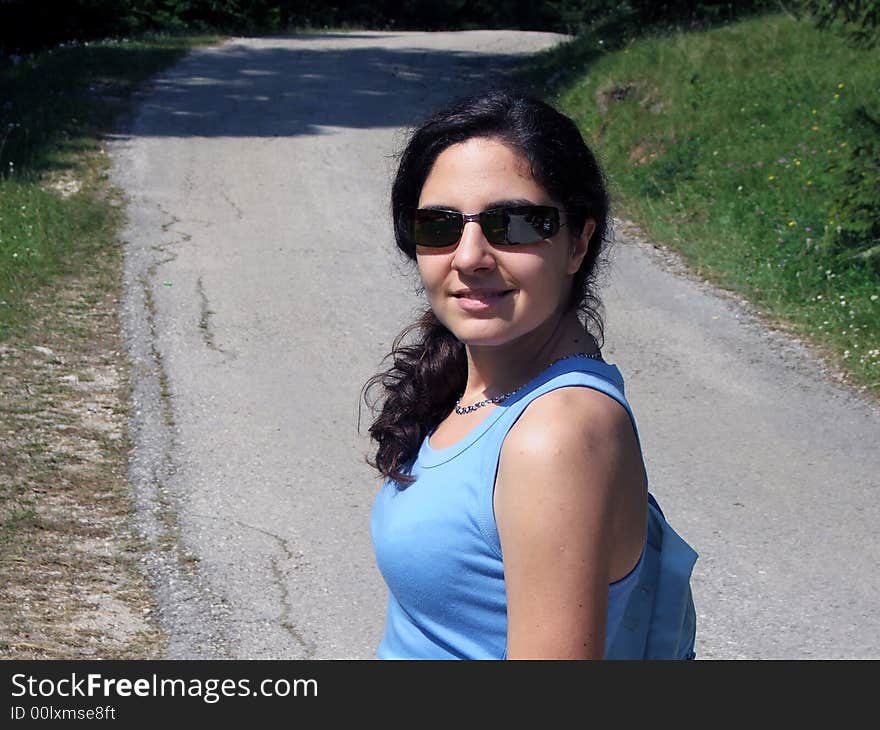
{"x":499,"y":369}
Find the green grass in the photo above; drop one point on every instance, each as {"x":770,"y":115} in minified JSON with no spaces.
{"x":55,"y":109}
{"x":43,"y":236}
{"x":730,"y":145}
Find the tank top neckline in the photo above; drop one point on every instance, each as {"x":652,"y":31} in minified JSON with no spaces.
{"x":429,"y":456}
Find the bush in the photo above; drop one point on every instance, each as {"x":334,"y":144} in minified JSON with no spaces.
{"x":32,"y":25}
{"x":676,"y":12}
{"x":859,"y":19}
{"x":854,"y":234}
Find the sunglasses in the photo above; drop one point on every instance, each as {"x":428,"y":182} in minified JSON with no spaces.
{"x":508,"y":226}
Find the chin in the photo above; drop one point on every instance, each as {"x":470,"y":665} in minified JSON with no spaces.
{"x":491,"y":336}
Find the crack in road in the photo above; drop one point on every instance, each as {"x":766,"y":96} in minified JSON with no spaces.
{"x":171,"y":568}
{"x":238,"y":211}
{"x":285,"y":620}
{"x":205,"y":318}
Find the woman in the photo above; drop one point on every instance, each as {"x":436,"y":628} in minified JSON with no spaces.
{"x":512,"y":520}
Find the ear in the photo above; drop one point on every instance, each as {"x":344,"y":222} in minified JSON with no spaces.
{"x":580,"y":246}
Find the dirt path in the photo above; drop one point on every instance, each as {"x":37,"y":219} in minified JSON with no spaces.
{"x":261,"y":291}
{"x":71,"y":586}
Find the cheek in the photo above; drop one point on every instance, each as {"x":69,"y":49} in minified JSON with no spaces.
{"x":544,"y":284}
{"x":431,"y":272}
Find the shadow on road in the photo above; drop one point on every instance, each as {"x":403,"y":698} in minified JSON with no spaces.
{"x":265,"y":90}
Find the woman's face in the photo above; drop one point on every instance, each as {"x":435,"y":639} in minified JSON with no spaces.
{"x":489,"y":294}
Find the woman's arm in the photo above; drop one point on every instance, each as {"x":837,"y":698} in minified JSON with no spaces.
{"x":570,"y":508}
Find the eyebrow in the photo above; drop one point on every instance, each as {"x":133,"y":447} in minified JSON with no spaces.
{"x":494,"y":204}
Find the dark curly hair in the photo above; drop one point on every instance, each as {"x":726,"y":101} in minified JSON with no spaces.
{"x":429,"y":370}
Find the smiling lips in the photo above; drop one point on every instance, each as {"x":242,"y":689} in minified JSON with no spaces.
{"x":477,"y":300}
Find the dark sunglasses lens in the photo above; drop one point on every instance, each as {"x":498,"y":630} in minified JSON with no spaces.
{"x":436,"y":228}
{"x":531,"y":224}
{"x":495,"y":226}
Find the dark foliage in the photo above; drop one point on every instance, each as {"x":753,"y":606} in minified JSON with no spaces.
{"x":855,"y":234}
{"x":858,"y":19}
{"x":29,"y":25}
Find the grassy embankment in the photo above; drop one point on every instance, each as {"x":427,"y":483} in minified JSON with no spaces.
{"x":68,"y":556}
{"x":731,"y":146}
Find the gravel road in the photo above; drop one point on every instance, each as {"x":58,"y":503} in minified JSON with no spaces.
{"x":262,"y":290}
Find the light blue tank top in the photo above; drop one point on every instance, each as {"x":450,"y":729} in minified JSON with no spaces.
{"x":437,"y":544}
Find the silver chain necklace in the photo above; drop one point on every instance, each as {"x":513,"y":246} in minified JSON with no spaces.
{"x":470,"y":409}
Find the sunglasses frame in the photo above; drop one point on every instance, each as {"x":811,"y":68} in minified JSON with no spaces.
{"x":549,"y":212}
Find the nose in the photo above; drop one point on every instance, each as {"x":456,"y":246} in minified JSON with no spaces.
{"x":473,"y":252}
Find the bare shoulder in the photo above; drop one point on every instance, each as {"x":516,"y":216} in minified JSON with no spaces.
{"x":574,"y":420}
